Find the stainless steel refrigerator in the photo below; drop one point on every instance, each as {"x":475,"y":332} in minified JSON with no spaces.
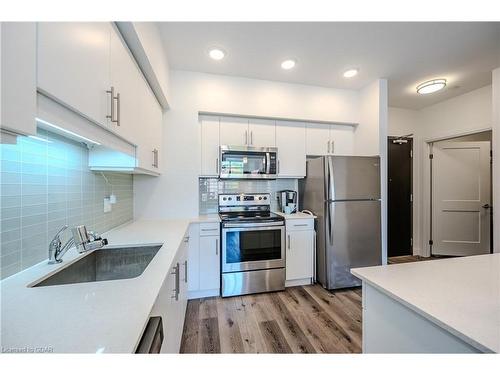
{"x":344,"y":193}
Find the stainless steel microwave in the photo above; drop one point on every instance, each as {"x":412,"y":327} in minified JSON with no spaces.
{"x":248,"y":162}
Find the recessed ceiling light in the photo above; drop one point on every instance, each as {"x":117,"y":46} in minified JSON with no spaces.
{"x":288,"y":64}
{"x":216,"y":54}
{"x":431,"y":86}
{"x":351,"y":73}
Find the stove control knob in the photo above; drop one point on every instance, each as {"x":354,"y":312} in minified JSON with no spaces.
{"x":230,"y":198}
{"x":265,"y":198}
{"x":224,"y":199}
{"x":260,"y":198}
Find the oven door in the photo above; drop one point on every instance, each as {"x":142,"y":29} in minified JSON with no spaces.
{"x":247,"y":162}
{"x":248,"y":247}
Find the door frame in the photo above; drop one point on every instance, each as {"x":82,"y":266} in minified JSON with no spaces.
{"x":427,"y":183}
{"x":410,"y":138}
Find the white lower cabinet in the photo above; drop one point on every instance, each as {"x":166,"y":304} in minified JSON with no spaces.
{"x":171,"y":302}
{"x":204,"y":260}
{"x":300,"y":250}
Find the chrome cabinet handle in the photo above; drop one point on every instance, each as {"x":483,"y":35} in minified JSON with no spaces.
{"x":251,"y":137}
{"x":216,"y":246}
{"x":300,"y":225}
{"x":118,"y":109}
{"x":331,"y":147}
{"x":176,"y":290}
{"x":155,"y":158}
{"x":278,"y":167}
{"x":289,"y":242}
{"x":217,"y":165}
{"x":328,"y":147}
{"x":246,"y":137}
{"x":186,"y":239}
{"x":113,"y":97}
{"x":185,"y":271}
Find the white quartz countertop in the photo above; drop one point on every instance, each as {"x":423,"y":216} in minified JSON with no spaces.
{"x":461,"y":295}
{"x":297,"y":215}
{"x":105,"y":316}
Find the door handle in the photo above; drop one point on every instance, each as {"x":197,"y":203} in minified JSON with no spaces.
{"x":486,"y":206}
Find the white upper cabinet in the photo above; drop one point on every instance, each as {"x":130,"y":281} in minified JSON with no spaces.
{"x":290,"y":140}
{"x":261,"y":133}
{"x":329,"y":139}
{"x":126,"y":81}
{"x":18,"y":77}
{"x":73,"y":66}
{"x":234,"y":131}
{"x":317,"y":139}
{"x":209,"y":145}
{"x":148,"y":139}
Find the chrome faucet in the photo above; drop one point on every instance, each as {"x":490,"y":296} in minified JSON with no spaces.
{"x":80,"y":239}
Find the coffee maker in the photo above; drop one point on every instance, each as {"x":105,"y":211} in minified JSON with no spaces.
{"x":287,"y":201}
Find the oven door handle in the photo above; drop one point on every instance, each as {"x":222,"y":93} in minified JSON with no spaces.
{"x":252,"y":225}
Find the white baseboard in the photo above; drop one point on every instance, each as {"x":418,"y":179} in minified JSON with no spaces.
{"x":298,"y":282}
{"x":194,"y":294}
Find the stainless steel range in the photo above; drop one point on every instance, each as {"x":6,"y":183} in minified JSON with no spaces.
{"x":253,"y":245}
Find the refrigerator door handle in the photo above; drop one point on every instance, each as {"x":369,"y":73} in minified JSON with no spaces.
{"x":331,"y":213}
{"x":331,"y":180}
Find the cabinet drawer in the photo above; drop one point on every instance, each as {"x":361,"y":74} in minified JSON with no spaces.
{"x":209,"y":229}
{"x":299,"y":224}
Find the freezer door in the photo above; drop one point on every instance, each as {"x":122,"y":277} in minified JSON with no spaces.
{"x":353,"y":177}
{"x":352,"y":240}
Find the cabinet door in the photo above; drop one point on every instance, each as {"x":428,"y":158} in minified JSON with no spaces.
{"x":291,"y":143}
{"x":18,"y":77}
{"x":209,"y":145}
{"x":342,"y":140}
{"x":194,"y":258}
{"x":148,"y":132}
{"x":126,"y":80}
{"x":73,"y":65}
{"x":262,"y":133}
{"x":317,"y":139}
{"x":209,"y":262}
{"x":299,"y":254}
{"x":234,"y":131}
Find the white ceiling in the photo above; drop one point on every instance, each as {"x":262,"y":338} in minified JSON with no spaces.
{"x":406,"y":53}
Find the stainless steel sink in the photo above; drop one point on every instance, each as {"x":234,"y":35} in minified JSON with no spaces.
{"x":105,"y":264}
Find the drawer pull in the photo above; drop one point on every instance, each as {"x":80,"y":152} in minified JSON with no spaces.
{"x":300,"y":225}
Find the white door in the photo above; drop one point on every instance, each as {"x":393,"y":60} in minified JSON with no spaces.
{"x":127,"y":82}
{"x":299,"y":254}
{"x":461,"y":197}
{"x":317,"y":139}
{"x":73,"y":65}
{"x":291,"y":143}
{"x":341,"y":140}
{"x":209,"y":262}
{"x":234,"y":131}
{"x":209,"y":145}
{"x":18,"y":76}
{"x":262,"y":133}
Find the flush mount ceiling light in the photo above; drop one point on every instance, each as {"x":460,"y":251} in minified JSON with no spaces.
{"x":216,"y":53}
{"x":431,"y":86}
{"x":351,"y":73}
{"x":288,"y":64}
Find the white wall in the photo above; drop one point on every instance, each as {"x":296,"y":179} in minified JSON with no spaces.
{"x":175,"y":192}
{"x":496,"y":159}
{"x":463,"y":114}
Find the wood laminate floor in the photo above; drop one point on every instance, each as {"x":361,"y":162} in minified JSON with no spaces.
{"x":306,"y":319}
{"x":408,"y":259}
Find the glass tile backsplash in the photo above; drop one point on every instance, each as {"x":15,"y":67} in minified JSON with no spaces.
{"x":210,"y":188}
{"x":46,"y":183}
